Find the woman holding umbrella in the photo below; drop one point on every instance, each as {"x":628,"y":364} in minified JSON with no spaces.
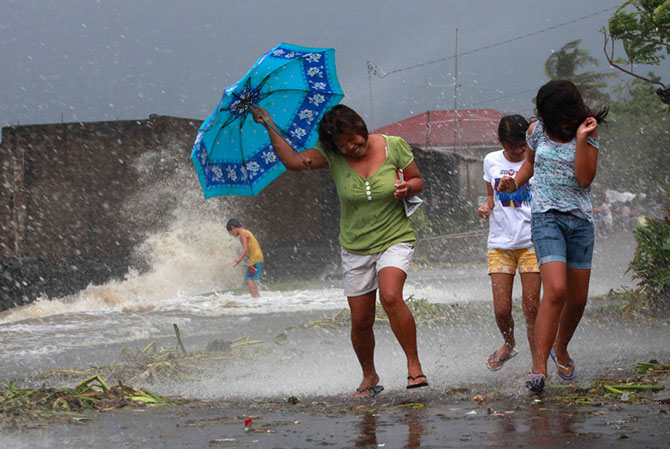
{"x":375,"y":233}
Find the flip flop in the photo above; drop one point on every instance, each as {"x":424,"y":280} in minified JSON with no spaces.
{"x":493,"y":359}
{"x":571,"y":363}
{"x":420,"y":384}
{"x":535,"y":382}
{"x":372,"y":390}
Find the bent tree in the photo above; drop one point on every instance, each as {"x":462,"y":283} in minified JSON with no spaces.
{"x":643,"y":27}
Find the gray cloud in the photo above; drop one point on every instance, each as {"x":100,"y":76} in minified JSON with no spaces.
{"x":87,"y":61}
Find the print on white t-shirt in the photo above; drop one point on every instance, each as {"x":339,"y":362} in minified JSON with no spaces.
{"x":509,"y":222}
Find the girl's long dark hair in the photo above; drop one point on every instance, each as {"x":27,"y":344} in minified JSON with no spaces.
{"x":340,"y":120}
{"x":561,"y":108}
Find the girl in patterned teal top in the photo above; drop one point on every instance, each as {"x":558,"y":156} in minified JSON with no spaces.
{"x":375,"y":233}
{"x":563,"y":159}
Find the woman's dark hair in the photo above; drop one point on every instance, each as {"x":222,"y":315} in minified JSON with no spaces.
{"x":512,"y":129}
{"x":233,"y":223}
{"x":340,"y":120}
{"x":561,"y":108}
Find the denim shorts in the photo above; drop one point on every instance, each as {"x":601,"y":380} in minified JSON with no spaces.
{"x":562,"y":237}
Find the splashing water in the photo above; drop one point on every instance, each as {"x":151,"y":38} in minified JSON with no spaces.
{"x":184,"y":261}
{"x":187,"y":284}
{"x":190,"y":282}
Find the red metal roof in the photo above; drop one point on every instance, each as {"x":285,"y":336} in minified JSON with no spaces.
{"x":473,"y":127}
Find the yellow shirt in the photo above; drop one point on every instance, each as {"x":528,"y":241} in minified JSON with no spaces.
{"x":253,"y":249}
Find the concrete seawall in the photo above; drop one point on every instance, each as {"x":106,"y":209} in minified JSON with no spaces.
{"x":76,"y":200}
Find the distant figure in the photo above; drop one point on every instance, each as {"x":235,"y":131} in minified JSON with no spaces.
{"x":563,"y":159}
{"x":375,"y":233}
{"x":627,"y":219}
{"x":608,"y":217}
{"x":510,"y":247}
{"x":251,"y":248}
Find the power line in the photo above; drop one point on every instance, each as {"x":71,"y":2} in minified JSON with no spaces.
{"x":524,"y":92}
{"x":505,"y":96}
{"x":376,"y":71}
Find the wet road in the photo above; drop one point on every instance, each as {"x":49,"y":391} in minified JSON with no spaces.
{"x":424,"y":420}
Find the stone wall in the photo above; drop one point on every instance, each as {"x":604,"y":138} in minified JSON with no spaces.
{"x":77,"y":198}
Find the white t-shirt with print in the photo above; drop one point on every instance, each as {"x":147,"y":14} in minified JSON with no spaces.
{"x":509,"y":222}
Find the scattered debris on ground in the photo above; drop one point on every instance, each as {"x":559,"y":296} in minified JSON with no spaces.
{"x":37,"y":407}
{"x":153,"y":364}
{"x":641,"y":386}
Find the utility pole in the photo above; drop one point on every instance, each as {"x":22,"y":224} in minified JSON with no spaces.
{"x":372,"y":115}
{"x":456,"y":121}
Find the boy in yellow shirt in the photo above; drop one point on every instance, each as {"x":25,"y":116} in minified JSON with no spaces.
{"x":250,"y":247}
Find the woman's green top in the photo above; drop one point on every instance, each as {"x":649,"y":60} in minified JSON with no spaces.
{"x":371,"y":219}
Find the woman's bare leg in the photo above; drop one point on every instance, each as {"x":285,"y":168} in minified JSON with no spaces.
{"x":391,"y":284}
{"x":363,"y":338}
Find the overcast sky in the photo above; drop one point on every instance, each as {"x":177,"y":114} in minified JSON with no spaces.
{"x":87,"y":60}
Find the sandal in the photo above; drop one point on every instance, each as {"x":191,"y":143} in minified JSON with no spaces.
{"x":494,"y":363}
{"x":372,"y":391}
{"x":535,"y":382}
{"x":424,"y":383}
{"x":571,"y":364}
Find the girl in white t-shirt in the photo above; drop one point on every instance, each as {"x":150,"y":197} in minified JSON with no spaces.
{"x":509,"y":244}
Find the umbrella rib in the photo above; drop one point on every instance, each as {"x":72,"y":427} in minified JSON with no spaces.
{"x":281,"y":67}
{"x":227,"y":122}
{"x":243,"y":159}
{"x":301,"y":91}
{"x":285,"y":136}
{"x":223,"y":126}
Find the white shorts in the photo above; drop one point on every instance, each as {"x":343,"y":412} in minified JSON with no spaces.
{"x":361,"y":272}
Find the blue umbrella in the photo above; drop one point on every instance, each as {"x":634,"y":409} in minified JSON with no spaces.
{"x":232,"y":153}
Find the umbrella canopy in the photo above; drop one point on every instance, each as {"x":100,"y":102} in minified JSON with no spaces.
{"x":297,"y":85}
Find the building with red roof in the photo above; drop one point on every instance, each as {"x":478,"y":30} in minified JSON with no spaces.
{"x":460,"y":139}
{"x":472,"y":132}
{"x":449,"y":147}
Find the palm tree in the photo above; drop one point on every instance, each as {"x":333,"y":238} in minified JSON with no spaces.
{"x":564,"y":63}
